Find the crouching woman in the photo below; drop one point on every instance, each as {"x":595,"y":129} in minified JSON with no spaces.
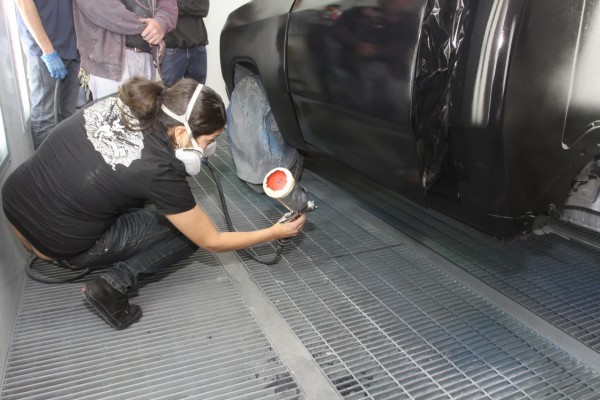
{"x":80,"y":198}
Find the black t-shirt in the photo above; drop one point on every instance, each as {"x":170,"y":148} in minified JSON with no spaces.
{"x":88,"y":171}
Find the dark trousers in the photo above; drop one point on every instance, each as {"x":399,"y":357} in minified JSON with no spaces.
{"x":184,"y":63}
{"x":139,"y":243}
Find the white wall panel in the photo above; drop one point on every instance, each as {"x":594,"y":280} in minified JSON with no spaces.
{"x":12,"y":255}
{"x":217,"y":15}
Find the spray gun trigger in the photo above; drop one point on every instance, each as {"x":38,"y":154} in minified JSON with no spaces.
{"x":292,"y":215}
{"x":289,"y":216}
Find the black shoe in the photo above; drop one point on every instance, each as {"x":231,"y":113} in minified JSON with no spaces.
{"x":112,"y":305}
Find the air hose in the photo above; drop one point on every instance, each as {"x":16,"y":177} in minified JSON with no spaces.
{"x":62,"y":264}
{"x":281,"y":243}
{"x":57,"y":94}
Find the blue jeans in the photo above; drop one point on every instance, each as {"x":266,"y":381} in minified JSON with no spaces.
{"x":255,"y":141}
{"x":43,"y":89}
{"x":139,"y":243}
{"x":184,"y":63}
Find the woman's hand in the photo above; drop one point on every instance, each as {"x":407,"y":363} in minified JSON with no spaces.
{"x":290,"y":228}
{"x":197,"y":226}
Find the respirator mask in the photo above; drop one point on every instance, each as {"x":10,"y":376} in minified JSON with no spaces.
{"x":191,"y":158}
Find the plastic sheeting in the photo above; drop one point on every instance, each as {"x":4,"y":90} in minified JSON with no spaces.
{"x":442,"y":37}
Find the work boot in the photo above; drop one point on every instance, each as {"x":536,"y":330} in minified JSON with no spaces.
{"x":112,"y":305}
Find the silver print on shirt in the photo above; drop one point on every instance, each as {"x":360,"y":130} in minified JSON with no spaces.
{"x":116,"y":143}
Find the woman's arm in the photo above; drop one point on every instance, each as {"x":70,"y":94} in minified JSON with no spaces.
{"x":197,"y":226}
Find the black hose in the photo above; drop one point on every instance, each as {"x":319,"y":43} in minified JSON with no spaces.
{"x":280,"y":243}
{"x":38,"y":278}
{"x":56,"y":101}
{"x":57,"y":94}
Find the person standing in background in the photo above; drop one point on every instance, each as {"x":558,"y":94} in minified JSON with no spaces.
{"x":116,"y":39}
{"x":48,"y":36}
{"x":185,"y":55}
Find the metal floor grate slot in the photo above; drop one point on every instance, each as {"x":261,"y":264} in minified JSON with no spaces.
{"x":380,"y":320}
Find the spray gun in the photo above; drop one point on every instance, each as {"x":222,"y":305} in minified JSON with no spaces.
{"x":280,"y":184}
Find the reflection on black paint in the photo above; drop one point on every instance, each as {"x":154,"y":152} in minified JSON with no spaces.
{"x":390,"y":59}
{"x":364,"y":55}
{"x":320,"y":42}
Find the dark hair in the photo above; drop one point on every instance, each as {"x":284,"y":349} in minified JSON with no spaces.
{"x":144,"y":98}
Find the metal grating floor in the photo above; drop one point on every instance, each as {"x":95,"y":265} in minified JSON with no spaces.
{"x":379,"y":319}
{"x":556,"y":278}
{"x":197,"y":339}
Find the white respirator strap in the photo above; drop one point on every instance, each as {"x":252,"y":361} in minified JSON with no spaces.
{"x":185,"y":117}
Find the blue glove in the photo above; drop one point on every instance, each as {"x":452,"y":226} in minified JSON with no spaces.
{"x":55,"y":65}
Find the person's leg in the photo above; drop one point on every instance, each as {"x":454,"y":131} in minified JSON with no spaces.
{"x":41,"y":86}
{"x":69,"y":90}
{"x":164,"y":246}
{"x":197,"y":64}
{"x":139,"y":243}
{"x":173,"y":66}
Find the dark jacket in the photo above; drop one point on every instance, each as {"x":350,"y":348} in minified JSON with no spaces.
{"x":190,"y":30}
